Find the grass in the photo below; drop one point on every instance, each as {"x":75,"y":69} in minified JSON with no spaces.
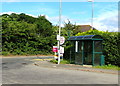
{"x":61,"y":62}
{"x":109,"y":66}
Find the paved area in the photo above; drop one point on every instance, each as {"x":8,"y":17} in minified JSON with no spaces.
{"x":45,"y":63}
{"x":31,"y":71}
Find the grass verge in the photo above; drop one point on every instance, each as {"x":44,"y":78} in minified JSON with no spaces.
{"x":61,"y":62}
{"x":109,"y":66}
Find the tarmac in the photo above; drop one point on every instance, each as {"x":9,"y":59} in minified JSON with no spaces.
{"x":87,"y":68}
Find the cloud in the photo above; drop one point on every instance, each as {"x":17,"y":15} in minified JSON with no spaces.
{"x":107,"y":21}
{"x":64,"y":19}
{"x":16,"y":13}
{"x":6,"y":13}
{"x":55,"y":20}
{"x":44,"y":10}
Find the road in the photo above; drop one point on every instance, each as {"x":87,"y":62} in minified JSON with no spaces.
{"x":24,"y":71}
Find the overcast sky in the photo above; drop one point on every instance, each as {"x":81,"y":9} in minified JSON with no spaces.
{"x":105,"y":13}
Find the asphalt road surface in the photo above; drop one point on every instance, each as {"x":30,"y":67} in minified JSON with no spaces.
{"x":23,"y":71}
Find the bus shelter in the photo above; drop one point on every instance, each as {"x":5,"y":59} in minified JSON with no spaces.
{"x":86,"y":50}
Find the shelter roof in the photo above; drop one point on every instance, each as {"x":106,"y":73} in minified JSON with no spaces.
{"x":86,"y":37}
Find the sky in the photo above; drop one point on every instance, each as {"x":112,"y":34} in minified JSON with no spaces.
{"x":105,"y":13}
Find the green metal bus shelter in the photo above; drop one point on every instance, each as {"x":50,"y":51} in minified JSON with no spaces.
{"x":87,"y":50}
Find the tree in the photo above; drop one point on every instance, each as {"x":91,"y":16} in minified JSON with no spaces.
{"x":24,"y":34}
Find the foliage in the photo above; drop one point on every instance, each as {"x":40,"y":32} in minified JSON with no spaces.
{"x":68,"y":30}
{"x":23,"y":34}
{"x":110,"y":45}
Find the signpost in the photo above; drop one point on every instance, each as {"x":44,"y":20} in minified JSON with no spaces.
{"x":59,"y":32}
{"x":55,"y":50}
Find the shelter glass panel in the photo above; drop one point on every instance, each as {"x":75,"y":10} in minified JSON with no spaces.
{"x":88,"y":52}
{"x":80,"y":46}
{"x":78,"y":55}
{"x":97,"y":59}
{"x":78,"y":58}
{"x":98,"y":46}
{"x":72,"y":52}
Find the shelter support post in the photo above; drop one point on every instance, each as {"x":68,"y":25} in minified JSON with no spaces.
{"x":82,"y":52}
{"x":102,"y":60}
{"x":93,"y":55}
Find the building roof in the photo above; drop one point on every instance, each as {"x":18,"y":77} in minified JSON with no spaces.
{"x":83,"y":28}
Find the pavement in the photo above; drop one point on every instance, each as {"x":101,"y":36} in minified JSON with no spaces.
{"x":47,"y":63}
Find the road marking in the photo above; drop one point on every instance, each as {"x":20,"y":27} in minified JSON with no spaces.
{"x":42,"y":59}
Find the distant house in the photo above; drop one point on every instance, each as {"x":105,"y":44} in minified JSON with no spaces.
{"x":82,"y":28}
